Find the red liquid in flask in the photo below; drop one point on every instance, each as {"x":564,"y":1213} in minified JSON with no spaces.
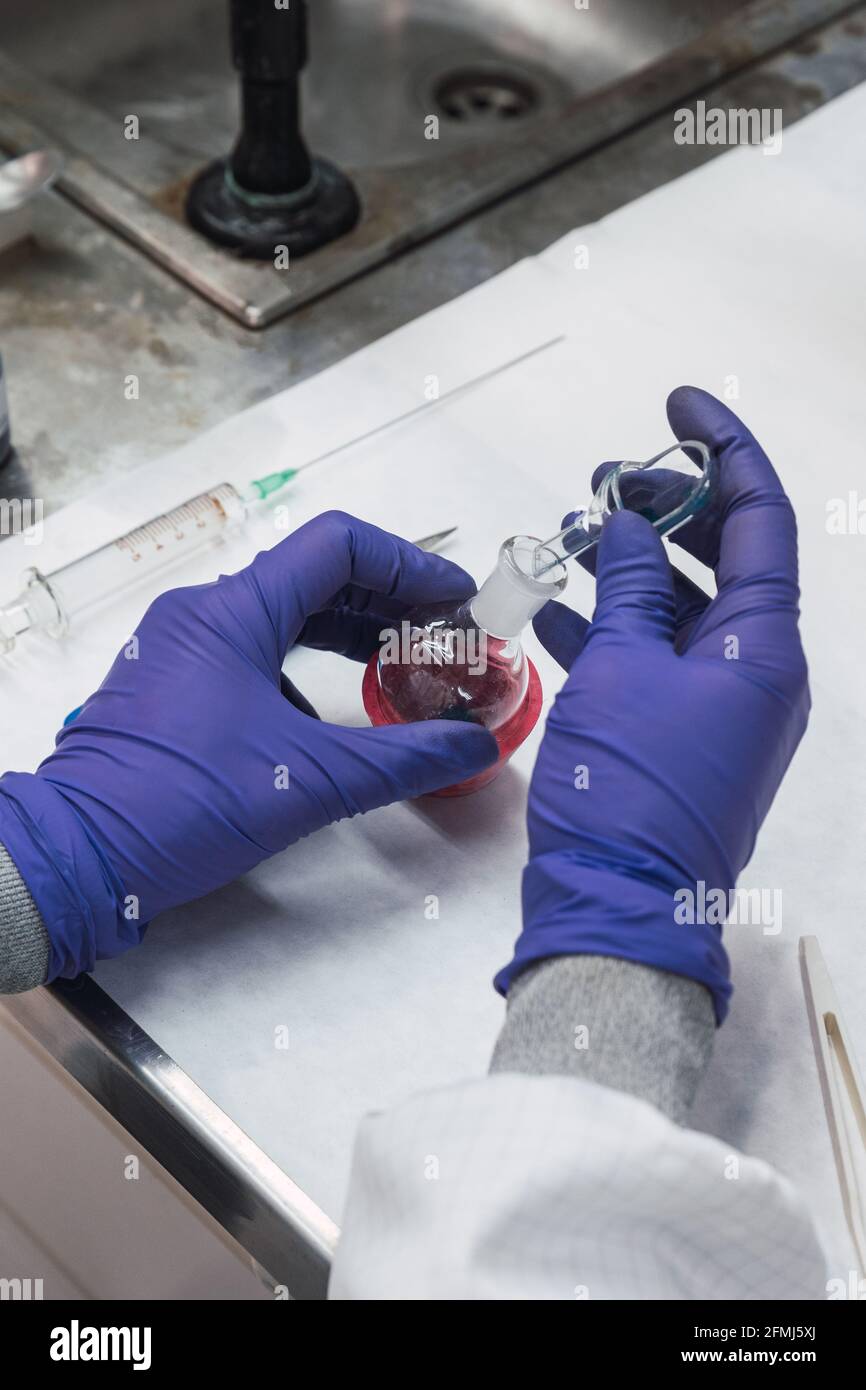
{"x":446,"y":667}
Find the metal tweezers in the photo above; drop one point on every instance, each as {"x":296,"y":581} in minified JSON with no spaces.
{"x":841,"y":1086}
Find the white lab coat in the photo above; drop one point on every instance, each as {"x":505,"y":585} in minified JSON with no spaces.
{"x":549,"y":1187}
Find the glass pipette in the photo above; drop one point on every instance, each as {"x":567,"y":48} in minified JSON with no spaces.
{"x":49,"y":602}
{"x":669,"y":498}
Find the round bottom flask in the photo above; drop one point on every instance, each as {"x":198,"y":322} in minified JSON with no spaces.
{"x":465,"y":661}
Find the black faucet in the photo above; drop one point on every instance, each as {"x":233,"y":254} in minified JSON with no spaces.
{"x":270,"y":192}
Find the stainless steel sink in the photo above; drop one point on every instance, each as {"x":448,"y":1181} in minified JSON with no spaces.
{"x":517,"y":87}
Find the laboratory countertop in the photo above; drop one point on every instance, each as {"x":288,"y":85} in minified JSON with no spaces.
{"x":82,"y":311}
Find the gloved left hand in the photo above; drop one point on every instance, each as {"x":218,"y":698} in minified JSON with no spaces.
{"x":195,"y":759}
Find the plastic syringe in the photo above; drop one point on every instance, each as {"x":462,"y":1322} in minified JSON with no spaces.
{"x":49,"y":602}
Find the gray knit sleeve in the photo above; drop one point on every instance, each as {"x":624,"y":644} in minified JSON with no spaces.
{"x":626,"y":1026}
{"x":24,"y":946}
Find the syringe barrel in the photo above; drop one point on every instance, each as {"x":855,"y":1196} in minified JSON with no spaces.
{"x":153,"y":546}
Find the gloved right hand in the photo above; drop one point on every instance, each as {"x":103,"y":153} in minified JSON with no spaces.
{"x":666,"y":745}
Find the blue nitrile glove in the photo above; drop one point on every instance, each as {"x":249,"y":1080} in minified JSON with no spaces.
{"x":680,"y":714}
{"x":195,"y":759}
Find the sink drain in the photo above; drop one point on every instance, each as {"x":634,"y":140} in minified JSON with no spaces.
{"x":472,"y":95}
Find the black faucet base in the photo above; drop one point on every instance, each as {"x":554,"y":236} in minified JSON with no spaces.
{"x":258,"y":226}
